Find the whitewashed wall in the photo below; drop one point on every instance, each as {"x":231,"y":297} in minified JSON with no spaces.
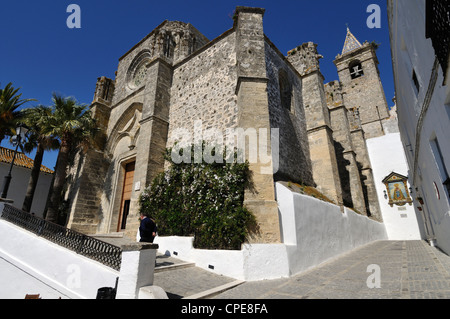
{"x":412,"y":51}
{"x":313,"y":232}
{"x":387,"y":156}
{"x":78,"y":277}
{"x":18,"y":187}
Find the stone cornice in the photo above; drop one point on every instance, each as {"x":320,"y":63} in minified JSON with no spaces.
{"x":129,"y":96}
{"x":153,"y":118}
{"x":321,"y":127}
{"x":249,"y":79}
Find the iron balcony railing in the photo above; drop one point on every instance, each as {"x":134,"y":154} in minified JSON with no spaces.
{"x":84,"y":245}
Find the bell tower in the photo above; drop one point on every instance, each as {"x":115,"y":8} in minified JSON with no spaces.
{"x":357,"y":67}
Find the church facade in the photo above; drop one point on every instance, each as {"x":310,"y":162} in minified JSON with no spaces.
{"x":176,"y":78}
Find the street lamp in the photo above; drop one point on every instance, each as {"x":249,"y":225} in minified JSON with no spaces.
{"x":21,"y":132}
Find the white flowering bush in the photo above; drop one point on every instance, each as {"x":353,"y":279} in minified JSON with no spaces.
{"x":201,"y":200}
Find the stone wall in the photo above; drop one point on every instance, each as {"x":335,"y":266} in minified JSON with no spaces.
{"x":87,"y":179}
{"x":294,"y":155}
{"x":253,"y":113}
{"x":171,"y":40}
{"x":346,"y":158}
{"x":203,"y":89}
{"x":305,"y":59}
{"x":351,"y":151}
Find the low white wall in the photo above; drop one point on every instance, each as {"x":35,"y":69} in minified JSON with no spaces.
{"x":313,"y":231}
{"x":74,"y":275}
{"x":252,"y":262}
{"x":316,"y":231}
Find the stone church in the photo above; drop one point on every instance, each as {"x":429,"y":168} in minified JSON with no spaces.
{"x":176,"y":76}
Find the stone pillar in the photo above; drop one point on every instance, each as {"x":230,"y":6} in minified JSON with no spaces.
{"x":368,"y":184}
{"x":152,"y":136}
{"x":137,"y":269}
{"x":253,"y":104}
{"x":90,"y":168}
{"x":305,"y":59}
{"x":354,"y":182}
{"x":352,"y":191}
{"x":324,"y":163}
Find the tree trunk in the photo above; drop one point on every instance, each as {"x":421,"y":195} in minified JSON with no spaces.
{"x":59,"y":181}
{"x":34,"y":177}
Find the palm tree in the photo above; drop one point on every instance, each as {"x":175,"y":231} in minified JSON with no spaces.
{"x":73,"y":124}
{"x":37,"y":119}
{"x":9,"y":115}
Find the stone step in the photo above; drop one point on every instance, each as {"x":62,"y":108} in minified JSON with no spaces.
{"x":191,"y":282}
{"x":172,"y":267}
{"x":180,"y":279}
{"x":215,"y":291}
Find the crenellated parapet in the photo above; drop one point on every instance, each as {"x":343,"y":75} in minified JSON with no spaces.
{"x":305,"y":58}
{"x":104,"y":90}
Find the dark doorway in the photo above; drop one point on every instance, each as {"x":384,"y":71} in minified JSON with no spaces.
{"x":126,"y":196}
{"x":125,"y":211}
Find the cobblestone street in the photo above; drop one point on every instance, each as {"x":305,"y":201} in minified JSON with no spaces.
{"x":407,"y":270}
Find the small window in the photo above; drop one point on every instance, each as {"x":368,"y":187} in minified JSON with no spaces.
{"x":356,"y":70}
{"x":447,"y":186}
{"x":442,"y":169}
{"x":355,"y":121}
{"x":416,"y":81}
{"x":168,"y":46}
{"x":285,"y":90}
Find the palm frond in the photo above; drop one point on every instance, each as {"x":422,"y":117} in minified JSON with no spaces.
{"x":10,"y":101}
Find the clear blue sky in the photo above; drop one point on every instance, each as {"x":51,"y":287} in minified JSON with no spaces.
{"x":40,"y":54}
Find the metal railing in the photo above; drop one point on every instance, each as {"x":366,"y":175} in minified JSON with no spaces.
{"x":84,"y":245}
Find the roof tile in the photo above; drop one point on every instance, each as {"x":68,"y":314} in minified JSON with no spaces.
{"x":21,"y":160}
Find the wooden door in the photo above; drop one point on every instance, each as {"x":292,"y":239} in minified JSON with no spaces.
{"x":126,"y":196}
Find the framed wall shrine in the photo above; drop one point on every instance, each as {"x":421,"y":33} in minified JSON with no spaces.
{"x":397,"y":189}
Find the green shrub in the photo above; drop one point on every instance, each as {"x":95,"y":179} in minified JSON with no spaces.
{"x":201,"y":200}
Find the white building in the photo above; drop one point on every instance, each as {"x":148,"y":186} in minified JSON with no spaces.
{"x":420,"y":37}
{"x":20,"y":177}
{"x":387,"y":158}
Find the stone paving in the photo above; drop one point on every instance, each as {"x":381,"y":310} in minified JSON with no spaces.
{"x":188,"y":281}
{"x":407,"y":270}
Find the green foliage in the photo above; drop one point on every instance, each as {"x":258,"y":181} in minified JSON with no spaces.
{"x":201,"y":199}
{"x":10,"y":101}
{"x":72,"y":123}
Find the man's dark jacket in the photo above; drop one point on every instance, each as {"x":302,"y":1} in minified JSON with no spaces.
{"x":146,"y":230}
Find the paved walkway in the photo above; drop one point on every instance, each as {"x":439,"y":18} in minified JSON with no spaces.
{"x":407,"y":270}
{"x":380,"y":270}
{"x":185,"y":280}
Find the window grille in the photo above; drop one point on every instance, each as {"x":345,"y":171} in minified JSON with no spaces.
{"x":438,"y":29}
